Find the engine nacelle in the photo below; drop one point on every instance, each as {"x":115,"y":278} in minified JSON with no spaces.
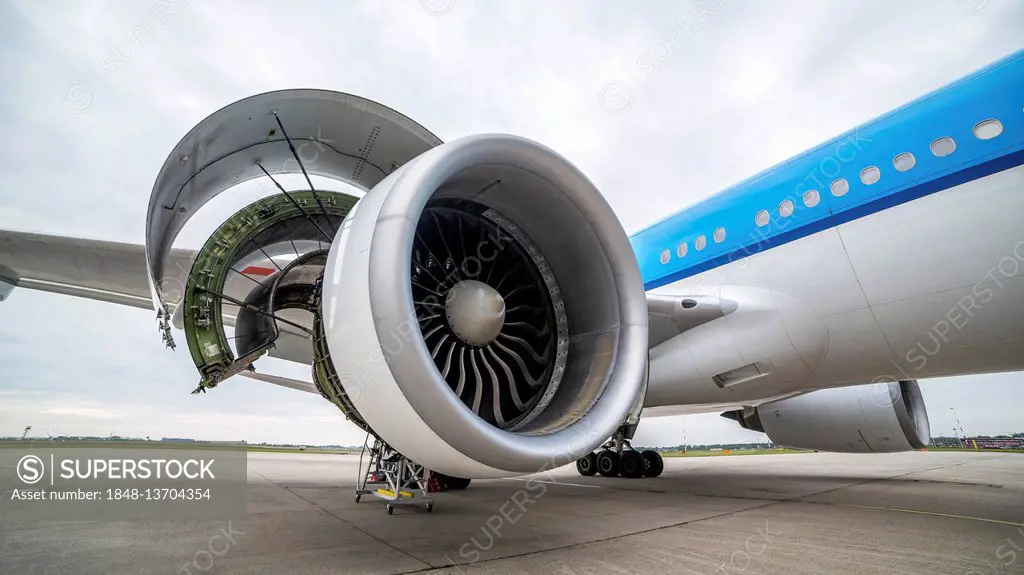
{"x":876,"y":418}
{"x":484,"y":311}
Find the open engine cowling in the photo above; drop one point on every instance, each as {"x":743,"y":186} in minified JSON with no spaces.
{"x":880,"y":417}
{"x":484,"y":310}
{"x":479,"y":308}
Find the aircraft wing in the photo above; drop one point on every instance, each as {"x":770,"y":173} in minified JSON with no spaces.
{"x":112,"y":272}
{"x":92,"y":269}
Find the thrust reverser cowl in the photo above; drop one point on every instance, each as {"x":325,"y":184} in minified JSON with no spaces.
{"x":569,"y":359}
{"x":335,"y":135}
{"x":317,"y":132}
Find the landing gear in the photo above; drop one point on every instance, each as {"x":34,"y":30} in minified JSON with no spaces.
{"x":632,"y":464}
{"x":617,"y":457}
{"x":587,"y":465}
{"x":449,"y":483}
{"x":654,"y":463}
{"x":608,"y":463}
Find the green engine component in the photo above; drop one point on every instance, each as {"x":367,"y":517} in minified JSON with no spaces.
{"x":236,"y":238}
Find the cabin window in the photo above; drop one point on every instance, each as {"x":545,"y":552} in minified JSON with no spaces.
{"x":700,"y":242}
{"x":870,"y":175}
{"x":786,"y":208}
{"x":681,"y":250}
{"x":988,"y":129}
{"x":811,"y":198}
{"x":761,"y":219}
{"x":943,"y":147}
{"x":904,"y":162}
{"x":665,"y":255}
{"x":719,"y":235}
{"x":839,"y":187}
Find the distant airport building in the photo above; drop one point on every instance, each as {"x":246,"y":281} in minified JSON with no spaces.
{"x":981,"y":441}
{"x":984,"y":442}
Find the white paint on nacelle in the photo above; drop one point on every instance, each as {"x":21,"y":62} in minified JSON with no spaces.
{"x":884,"y":417}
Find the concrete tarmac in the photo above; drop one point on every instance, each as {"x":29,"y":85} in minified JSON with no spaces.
{"x":920,"y":512}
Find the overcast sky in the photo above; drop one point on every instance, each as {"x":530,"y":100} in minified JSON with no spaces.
{"x":660,"y":107}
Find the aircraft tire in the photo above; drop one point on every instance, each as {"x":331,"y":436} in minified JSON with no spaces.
{"x":632,"y":465}
{"x":655,"y":463}
{"x":587,"y":465}
{"x":456,"y":483}
{"x":608,"y":463}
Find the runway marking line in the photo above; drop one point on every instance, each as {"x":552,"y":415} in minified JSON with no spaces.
{"x":934,"y":513}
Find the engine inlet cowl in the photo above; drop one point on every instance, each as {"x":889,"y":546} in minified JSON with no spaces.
{"x":484,"y":310}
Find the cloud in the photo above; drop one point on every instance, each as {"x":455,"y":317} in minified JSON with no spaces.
{"x":86,"y":412}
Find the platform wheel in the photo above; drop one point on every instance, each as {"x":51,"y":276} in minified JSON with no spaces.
{"x":391,"y":509}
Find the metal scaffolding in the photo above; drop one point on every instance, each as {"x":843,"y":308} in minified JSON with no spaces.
{"x":393,"y":477}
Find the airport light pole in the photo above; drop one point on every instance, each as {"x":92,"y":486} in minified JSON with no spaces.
{"x":963,"y":434}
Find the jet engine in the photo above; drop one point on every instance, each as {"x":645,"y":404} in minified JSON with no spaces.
{"x":874,"y":418}
{"x":479,"y":308}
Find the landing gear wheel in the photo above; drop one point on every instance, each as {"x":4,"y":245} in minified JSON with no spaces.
{"x":391,"y":509}
{"x":449,"y":482}
{"x":655,"y":464}
{"x":358,"y":497}
{"x":587,"y":465}
{"x":608,"y":463}
{"x":430,"y":507}
{"x":632,"y":464}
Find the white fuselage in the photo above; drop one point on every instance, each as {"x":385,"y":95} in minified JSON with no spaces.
{"x":928,"y":288}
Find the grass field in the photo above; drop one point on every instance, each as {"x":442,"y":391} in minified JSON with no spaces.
{"x":730,"y":452}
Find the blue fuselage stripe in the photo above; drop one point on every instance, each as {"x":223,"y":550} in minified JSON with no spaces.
{"x":991,"y":93}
